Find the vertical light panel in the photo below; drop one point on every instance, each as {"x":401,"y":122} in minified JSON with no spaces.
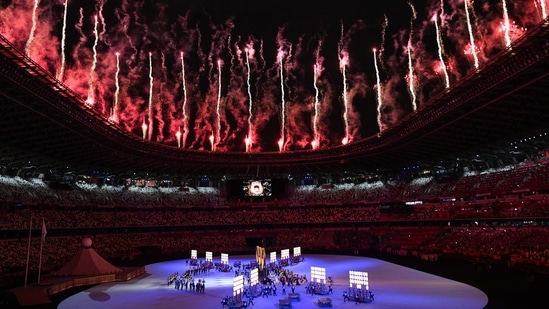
{"x":238,"y":285}
{"x":194,"y":254}
{"x":297,"y":251}
{"x":225,"y":258}
{"x":285,"y":254}
{"x":254,"y":276}
{"x":318,"y":274}
{"x":358,"y":279}
{"x":272,"y":258}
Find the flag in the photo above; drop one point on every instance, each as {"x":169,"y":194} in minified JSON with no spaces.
{"x":44,"y":231}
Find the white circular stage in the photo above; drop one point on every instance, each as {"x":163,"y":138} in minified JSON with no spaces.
{"x":394,"y":287}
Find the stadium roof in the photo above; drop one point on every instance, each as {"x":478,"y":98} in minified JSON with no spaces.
{"x":493,"y":114}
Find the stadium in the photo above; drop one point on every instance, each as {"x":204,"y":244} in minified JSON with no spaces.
{"x":152,"y":159}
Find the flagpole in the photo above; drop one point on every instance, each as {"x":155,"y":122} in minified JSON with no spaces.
{"x":28,"y":252}
{"x":42,"y":239}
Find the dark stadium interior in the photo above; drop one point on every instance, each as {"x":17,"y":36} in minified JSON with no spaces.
{"x":464,"y":178}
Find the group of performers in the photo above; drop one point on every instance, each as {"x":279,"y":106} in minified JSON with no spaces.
{"x":232,"y":301}
{"x":317,"y":288}
{"x":273,"y":274}
{"x":292,"y":260}
{"x":288,"y":277}
{"x":359,"y":296}
{"x":187,"y":282}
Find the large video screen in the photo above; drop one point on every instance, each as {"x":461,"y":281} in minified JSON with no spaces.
{"x":262,"y":187}
{"x":255,"y":187}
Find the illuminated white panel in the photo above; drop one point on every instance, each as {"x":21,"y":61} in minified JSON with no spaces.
{"x":238,"y":285}
{"x":254,"y":276}
{"x":318,"y":274}
{"x":358,"y":279}
{"x":297,"y":251}
{"x":273,"y":257}
{"x":285,"y":254}
{"x":209,"y":256}
{"x":194,"y":254}
{"x":224,"y":258}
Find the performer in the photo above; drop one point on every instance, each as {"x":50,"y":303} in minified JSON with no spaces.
{"x":345,"y":296}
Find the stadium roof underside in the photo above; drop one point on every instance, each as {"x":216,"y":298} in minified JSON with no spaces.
{"x":44,"y":125}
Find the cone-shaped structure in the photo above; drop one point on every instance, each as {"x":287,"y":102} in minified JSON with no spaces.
{"x":87,"y":262}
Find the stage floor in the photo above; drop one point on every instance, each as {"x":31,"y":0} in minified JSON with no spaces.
{"x":394,"y":287}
